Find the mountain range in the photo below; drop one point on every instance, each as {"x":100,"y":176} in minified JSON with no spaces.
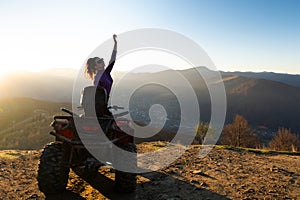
{"x":289,"y":79}
{"x":267,"y":100}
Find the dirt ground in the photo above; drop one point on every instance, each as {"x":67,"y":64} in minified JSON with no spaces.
{"x":222,"y":174}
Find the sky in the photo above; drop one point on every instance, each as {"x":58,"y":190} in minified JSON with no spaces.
{"x":238,"y":35}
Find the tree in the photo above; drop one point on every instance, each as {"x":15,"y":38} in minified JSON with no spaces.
{"x":201,"y":132}
{"x":239,"y":134}
{"x":284,"y":140}
{"x":205,"y":134}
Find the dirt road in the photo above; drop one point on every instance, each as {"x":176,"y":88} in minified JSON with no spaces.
{"x":223,"y":174}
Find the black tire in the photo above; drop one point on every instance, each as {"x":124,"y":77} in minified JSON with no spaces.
{"x":125,"y":182}
{"x":85,"y":173}
{"x":53,"y":172}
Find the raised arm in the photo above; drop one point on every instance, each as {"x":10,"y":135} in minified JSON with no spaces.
{"x":113,"y":55}
{"x":114,"y":52}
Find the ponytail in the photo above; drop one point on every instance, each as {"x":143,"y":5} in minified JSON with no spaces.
{"x":89,"y":71}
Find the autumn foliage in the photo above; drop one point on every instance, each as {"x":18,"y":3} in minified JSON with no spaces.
{"x":284,"y":140}
{"x":239,"y":134}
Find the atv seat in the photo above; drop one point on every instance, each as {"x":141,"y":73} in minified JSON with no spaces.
{"x":94,"y":101}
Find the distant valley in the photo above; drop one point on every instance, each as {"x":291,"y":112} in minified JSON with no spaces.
{"x":265,"y":101}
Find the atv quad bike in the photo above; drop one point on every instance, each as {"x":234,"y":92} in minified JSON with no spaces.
{"x":68,"y":151}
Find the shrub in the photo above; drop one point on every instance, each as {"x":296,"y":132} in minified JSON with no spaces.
{"x":239,"y":134}
{"x":284,"y":140}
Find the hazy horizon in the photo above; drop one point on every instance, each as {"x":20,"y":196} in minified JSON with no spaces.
{"x":237,"y":35}
{"x":138,"y":71}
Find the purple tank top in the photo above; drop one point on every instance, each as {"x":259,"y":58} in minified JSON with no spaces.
{"x":104,"y":79}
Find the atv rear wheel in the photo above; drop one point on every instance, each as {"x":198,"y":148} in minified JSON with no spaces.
{"x":125,"y":182}
{"x":53,"y":172}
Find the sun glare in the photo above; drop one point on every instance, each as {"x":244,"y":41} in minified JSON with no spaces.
{"x":3,"y":74}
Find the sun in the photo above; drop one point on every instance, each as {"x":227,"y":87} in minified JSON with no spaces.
{"x":3,"y":74}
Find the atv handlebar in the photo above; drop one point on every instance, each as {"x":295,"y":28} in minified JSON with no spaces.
{"x":63,"y":117}
{"x":115,"y":107}
{"x":69,"y":112}
{"x":75,"y":115}
{"x":120,"y":114}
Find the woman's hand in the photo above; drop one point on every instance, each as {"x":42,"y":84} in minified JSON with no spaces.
{"x":115,"y":38}
{"x":114,"y":53}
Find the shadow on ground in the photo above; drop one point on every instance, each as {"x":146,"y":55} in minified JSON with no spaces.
{"x":158,"y":186}
{"x":67,"y":195}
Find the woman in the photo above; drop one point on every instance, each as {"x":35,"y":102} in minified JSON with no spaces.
{"x":95,"y":70}
{"x":101,"y":76}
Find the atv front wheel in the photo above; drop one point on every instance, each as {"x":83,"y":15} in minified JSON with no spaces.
{"x":53,"y":172}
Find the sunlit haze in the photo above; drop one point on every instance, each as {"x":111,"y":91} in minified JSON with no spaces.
{"x":237,"y":35}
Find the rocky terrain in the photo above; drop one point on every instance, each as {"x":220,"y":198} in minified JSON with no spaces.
{"x":222,"y":174}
